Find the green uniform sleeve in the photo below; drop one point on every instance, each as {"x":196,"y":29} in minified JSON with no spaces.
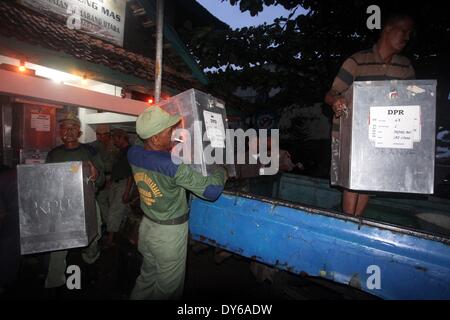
{"x":208,"y":188}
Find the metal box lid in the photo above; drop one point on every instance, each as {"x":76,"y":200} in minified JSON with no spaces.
{"x":56,"y":206}
{"x":387,"y":138}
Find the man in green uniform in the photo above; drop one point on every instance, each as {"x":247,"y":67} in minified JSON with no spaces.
{"x":121,"y":183}
{"x":162,"y":186}
{"x":107,"y":152}
{"x":73,"y":150}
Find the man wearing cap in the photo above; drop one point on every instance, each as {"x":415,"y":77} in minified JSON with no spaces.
{"x":122,"y":181}
{"x":107,"y":152}
{"x":162,"y":186}
{"x":73,"y":150}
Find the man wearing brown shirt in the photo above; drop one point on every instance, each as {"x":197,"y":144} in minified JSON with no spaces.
{"x":382,"y":62}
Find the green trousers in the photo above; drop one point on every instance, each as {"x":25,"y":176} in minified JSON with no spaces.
{"x":164,"y":249}
{"x":117,"y":209}
{"x":56,"y":276}
{"x":103,"y":201}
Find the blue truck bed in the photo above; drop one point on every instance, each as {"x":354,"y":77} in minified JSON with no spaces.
{"x":293,"y":223}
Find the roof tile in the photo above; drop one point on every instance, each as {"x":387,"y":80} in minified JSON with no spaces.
{"x":31,"y":27}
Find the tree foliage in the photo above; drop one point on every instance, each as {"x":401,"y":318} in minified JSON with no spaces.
{"x":302,"y":53}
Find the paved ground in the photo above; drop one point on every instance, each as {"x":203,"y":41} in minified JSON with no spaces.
{"x":206,"y":279}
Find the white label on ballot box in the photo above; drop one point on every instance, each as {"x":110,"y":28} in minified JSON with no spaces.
{"x":394,"y":126}
{"x":214,"y":129}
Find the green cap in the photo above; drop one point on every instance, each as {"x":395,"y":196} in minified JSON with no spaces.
{"x":154,"y":120}
{"x":70,"y":118}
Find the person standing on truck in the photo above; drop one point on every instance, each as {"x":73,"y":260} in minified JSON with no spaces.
{"x":381,"y":62}
{"x":162,"y":185}
{"x":73,"y":150}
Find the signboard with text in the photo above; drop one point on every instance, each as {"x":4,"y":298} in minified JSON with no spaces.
{"x":104,"y":19}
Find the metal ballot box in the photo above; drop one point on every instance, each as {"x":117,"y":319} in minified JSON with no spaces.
{"x":386,"y":140}
{"x":56,"y":206}
{"x":204,"y":138}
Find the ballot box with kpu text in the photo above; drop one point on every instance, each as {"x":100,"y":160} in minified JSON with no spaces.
{"x":386,"y":139}
{"x":57,"y":207}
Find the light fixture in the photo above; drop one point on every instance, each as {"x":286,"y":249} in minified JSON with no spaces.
{"x":22,"y":66}
{"x":150,"y":100}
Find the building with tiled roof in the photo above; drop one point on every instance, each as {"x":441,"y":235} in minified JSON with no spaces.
{"x":96,"y":70}
{"x":44,"y":39}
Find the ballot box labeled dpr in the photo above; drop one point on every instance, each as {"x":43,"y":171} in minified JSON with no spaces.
{"x":57,"y":207}
{"x":202,"y":142}
{"x":386,"y":139}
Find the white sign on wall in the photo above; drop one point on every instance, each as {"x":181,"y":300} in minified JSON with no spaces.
{"x":104,"y":19}
{"x":40,"y":122}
